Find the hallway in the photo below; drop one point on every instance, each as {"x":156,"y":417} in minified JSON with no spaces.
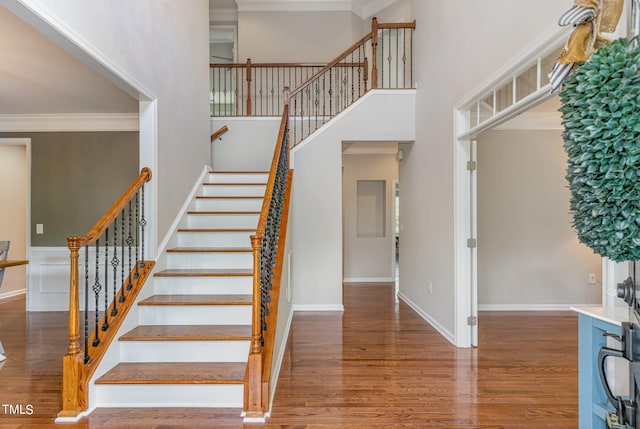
{"x":377,"y":365}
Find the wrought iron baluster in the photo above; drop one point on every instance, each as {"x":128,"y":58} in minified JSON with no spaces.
{"x":122,"y":241}
{"x":382,"y":60}
{"x":324,"y":97}
{"x":397,"y":53}
{"x":317,"y":101}
{"x":137,"y":273}
{"x":86,"y":304}
{"x":330,"y":93}
{"x":272,"y":94}
{"x":129,"y":245}
{"x":352,"y":83}
{"x":404,"y":58}
{"x":96,"y":291}
{"x":105,"y":325}
{"x":114,"y":265}
{"x":143,"y":224}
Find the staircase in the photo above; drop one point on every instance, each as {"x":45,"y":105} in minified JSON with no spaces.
{"x":191,"y":345}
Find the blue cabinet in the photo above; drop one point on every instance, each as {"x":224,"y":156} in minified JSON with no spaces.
{"x":592,"y":400}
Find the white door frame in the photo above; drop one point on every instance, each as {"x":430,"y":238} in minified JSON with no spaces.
{"x":26,"y":142}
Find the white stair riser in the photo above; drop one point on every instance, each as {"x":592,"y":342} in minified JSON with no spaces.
{"x":184,"y":351}
{"x":169,"y":395}
{"x":238,"y":178}
{"x":209,"y":260}
{"x":221,"y":221}
{"x":234,"y":190}
{"x":229,"y":204}
{"x":194,"y":315}
{"x":241,"y":285}
{"x":214,"y":239}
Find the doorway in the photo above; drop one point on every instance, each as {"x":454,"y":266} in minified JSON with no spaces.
{"x":15,"y":217}
{"x":370,"y":183}
{"x":529,"y":256}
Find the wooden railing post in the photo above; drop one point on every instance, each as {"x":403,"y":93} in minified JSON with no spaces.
{"x":249,"y":87}
{"x":374,"y":53}
{"x":253,"y":407}
{"x":72,"y":364}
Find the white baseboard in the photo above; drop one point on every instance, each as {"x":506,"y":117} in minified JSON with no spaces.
{"x":318,"y":307}
{"x":12,"y":294}
{"x":531,"y":307}
{"x":369,"y":280}
{"x":430,"y":320}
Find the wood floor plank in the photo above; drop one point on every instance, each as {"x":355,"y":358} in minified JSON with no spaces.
{"x":175,"y":373}
{"x":210,"y":250}
{"x":197,"y":300}
{"x":377,"y":365}
{"x":188,"y":333}
{"x":226,"y":272}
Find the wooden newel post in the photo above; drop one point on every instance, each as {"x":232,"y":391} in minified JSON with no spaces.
{"x":374,"y":53}
{"x":253,"y":394}
{"x":249,"y":87}
{"x":287,"y":95}
{"x":72,"y":364}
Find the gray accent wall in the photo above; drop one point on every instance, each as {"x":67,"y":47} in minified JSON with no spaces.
{"x":75,"y":178}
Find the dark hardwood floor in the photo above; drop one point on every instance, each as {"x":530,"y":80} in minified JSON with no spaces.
{"x":377,"y":365}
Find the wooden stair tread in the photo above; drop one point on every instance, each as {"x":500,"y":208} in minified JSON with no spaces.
{"x":198,"y":212}
{"x":217,"y":230}
{"x":238,"y":172}
{"x":235,"y":184}
{"x":229,"y":197}
{"x":188,"y":333}
{"x":175,"y":373}
{"x":198,"y":300}
{"x":222,"y":272}
{"x":209,"y":249}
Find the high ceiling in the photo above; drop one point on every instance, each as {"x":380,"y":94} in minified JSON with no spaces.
{"x":39,"y":77}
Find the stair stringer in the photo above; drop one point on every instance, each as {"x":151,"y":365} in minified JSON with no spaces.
{"x":112,"y":355}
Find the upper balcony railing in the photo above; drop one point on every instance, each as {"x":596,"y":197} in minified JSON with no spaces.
{"x":381,"y":59}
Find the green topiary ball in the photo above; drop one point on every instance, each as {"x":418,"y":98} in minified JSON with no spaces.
{"x":601,"y":118}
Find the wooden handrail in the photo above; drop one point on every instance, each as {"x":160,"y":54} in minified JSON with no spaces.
{"x":99,"y":228}
{"x":223,"y":129}
{"x":331,"y":64}
{"x":411,"y":25}
{"x":266,"y":65}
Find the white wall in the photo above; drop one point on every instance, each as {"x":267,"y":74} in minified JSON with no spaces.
{"x":247,"y":146}
{"x":299,"y":37}
{"x":528,"y":254}
{"x":317,"y":191}
{"x":13,"y":215}
{"x":161,"y":46}
{"x":458,"y":45}
{"x":368,"y":259}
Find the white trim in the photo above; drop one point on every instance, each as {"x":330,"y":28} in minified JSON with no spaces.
{"x":542,"y":46}
{"x":532,"y":307}
{"x":369,"y":280}
{"x":69,"y":122}
{"x":12,"y":294}
{"x":73,"y":419}
{"x":278,"y":363}
{"x":318,"y":307}
{"x":366,"y":9}
{"x":148,"y":154}
{"x":430,"y":320}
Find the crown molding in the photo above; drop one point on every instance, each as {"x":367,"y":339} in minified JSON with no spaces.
{"x":69,"y":122}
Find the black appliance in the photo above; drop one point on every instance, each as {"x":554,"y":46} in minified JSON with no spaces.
{"x":627,"y":411}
